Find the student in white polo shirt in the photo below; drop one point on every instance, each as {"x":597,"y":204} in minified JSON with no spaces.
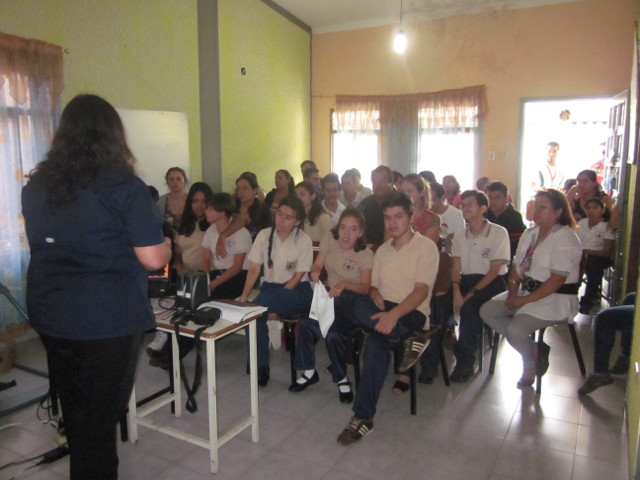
{"x":479,"y":257}
{"x":285,"y":254}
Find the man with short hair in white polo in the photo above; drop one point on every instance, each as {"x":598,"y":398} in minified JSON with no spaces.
{"x":479,"y":257}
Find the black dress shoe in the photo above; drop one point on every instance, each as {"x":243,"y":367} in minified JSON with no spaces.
{"x":263,"y":376}
{"x":298,"y":387}
{"x":345,"y":397}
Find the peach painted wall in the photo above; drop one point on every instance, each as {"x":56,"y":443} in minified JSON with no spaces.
{"x":569,"y":49}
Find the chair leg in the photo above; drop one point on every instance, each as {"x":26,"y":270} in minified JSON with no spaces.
{"x":481,"y":348}
{"x":576,"y":347}
{"x":494,"y":352}
{"x":443,"y":360}
{"x":413,"y":389}
{"x":538,"y":377}
{"x":290,"y":341}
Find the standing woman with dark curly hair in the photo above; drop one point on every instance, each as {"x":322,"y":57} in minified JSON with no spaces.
{"x":94,"y":231}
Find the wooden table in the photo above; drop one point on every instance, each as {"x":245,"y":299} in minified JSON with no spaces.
{"x":221,"y":329}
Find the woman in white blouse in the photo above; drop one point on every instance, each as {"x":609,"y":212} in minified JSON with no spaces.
{"x":543,"y":282}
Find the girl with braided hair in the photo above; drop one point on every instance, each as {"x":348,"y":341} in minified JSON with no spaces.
{"x":285,"y":253}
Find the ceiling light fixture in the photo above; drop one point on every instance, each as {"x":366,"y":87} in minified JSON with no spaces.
{"x":400,"y":40}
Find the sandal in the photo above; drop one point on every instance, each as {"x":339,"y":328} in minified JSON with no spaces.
{"x":400,"y":387}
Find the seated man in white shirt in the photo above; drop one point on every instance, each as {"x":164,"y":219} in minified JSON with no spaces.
{"x":479,"y":258}
{"x":331,"y":190}
{"x":397,"y":306}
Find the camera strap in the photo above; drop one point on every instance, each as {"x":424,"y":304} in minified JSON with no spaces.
{"x":191,"y":405}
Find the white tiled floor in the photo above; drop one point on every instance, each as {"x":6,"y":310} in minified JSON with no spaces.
{"x":485,"y":429}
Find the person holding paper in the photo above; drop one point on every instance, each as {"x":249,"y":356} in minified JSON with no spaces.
{"x":348,"y":262}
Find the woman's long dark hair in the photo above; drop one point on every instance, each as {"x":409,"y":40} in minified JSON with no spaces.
{"x":316,"y":206}
{"x":89,"y":141}
{"x":256,"y":206}
{"x":188,"y":219}
{"x":559,"y":202}
{"x":289,"y":178}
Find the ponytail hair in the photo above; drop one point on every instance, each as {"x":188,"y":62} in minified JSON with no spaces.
{"x":295,"y":204}
{"x":316,"y":206}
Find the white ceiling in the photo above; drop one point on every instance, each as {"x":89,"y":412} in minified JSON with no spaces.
{"x":335,"y":15}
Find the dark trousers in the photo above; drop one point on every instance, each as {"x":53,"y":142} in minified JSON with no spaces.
{"x":232,"y":288}
{"x":377,"y":356}
{"x":594,"y":268}
{"x":94,"y":379}
{"x":608,"y":321}
{"x":282,"y":301}
{"x":470,"y":322}
{"x":337,"y":340}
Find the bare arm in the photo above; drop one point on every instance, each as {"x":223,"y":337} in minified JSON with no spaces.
{"x":252,"y":277}
{"x":238,"y":221}
{"x":294,"y":281}
{"x":154,"y":256}
{"x":317,"y":266}
{"x":206,"y":259}
{"x":548,"y":287}
{"x":363,"y":286}
{"x":388,"y":320}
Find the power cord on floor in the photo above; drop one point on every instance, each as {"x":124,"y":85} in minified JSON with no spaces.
{"x":47,"y":457}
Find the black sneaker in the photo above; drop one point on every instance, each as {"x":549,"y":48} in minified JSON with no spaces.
{"x":427,"y":374}
{"x":621,"y":366}
{"x":462,"y":374}
{"x":594,"y":381}
{"x":357,"y":428}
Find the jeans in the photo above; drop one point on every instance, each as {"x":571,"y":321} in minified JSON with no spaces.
{"x":376,"y":355}
{"x":594,"y":270}
{"x":607,"y":322}
{"x":470,"y":322}
{"x":94,"y":379}
{"x":282,"y":301}
{"x":337,"y":339}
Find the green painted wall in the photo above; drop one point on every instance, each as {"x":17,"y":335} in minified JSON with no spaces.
{"x":137,"y":54}
{"x":266,"y":113}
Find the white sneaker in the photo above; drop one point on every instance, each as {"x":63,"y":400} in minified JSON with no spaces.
{"x":155,"y":346}
{"x":275,"y":333}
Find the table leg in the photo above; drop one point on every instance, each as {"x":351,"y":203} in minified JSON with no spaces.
{"x":253,"y":368}
{"x":133,"y":413}
{"x":213,"y":406}
{"x":177,"y":386}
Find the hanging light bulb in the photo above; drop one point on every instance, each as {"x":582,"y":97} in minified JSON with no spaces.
{"x":400,"y":40}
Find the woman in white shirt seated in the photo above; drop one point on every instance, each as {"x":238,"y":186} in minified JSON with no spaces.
{"x":543,"y":283}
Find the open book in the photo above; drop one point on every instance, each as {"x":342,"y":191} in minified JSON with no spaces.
{"x":235,"y":312}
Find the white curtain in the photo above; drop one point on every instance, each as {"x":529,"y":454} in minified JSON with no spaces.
{"x":30,"y":84}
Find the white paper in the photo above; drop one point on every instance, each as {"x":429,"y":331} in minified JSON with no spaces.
{"x":322,"y":308}
{"x":235,"y":313}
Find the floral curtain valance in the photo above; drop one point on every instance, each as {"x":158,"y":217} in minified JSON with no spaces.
{"x":23,"y":60}
{"x":459,"y":108}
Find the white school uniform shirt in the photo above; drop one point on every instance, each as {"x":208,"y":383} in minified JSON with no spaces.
{"x":477,"y":253}
{"x":293,"y":255}
{"x":239,"y":242}
{"x":592,"y":238}
{"x":452,"y":221}
{"x":559,"y":253}
{"x":334,"y":216}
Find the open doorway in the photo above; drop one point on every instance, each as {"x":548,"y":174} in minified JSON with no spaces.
{"x":580,"y":126}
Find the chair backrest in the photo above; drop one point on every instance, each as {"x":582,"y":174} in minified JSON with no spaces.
{"x":443,"y":278}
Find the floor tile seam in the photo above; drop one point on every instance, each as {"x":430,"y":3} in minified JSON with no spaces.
{"x":504,"y":439}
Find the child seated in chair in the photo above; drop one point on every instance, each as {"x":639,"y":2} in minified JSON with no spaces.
{"x":404,"y":272}
{"x":597,"y":242}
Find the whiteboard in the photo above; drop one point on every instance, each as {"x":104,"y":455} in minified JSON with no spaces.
{"x":159,"y":140}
